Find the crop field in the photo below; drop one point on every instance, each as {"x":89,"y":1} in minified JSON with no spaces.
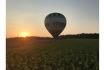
{"x":51,"y":54}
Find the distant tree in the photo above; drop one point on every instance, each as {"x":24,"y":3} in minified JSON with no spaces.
{"x":81,"y":36}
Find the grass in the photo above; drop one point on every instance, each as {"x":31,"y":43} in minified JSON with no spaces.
{"x":68,"y":54}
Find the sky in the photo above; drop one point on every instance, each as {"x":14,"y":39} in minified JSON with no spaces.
{"x":28,"y":16}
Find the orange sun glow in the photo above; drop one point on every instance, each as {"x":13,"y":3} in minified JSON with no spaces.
{"x":24,"y":34}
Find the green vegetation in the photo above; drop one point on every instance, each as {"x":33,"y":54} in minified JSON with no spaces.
{"x":50,"y":54}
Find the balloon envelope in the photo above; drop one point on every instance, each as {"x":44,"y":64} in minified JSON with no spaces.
{"x":55,"y":23}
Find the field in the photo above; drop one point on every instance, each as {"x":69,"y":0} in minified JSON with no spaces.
{"x":51,"y":54}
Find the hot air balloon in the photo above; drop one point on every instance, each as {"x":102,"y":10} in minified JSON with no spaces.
{"x":55,"y":23}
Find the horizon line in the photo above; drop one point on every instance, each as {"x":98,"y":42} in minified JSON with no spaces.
{"x":50,"y":36}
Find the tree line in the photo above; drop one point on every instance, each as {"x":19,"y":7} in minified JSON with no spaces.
{"x":80,"y":36}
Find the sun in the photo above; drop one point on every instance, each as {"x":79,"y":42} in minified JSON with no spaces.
{"x":24,"y":34}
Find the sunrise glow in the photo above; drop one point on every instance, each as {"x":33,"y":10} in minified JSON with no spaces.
{"x":24,"y":34}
